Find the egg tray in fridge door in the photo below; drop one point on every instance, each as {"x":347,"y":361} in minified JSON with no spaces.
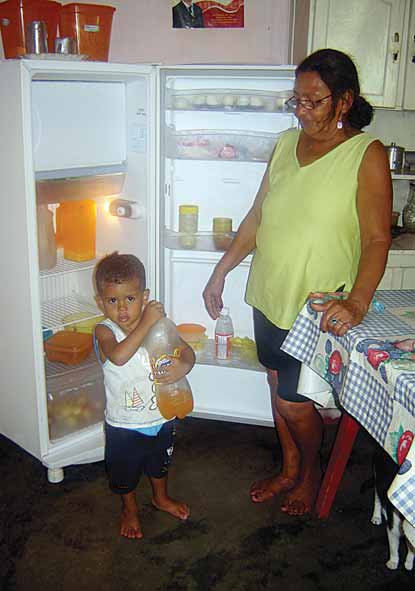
{"x":220,"y":145}
{"x":227,"y":100}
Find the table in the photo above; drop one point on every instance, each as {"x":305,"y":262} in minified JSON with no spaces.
{"x":371,"y":370}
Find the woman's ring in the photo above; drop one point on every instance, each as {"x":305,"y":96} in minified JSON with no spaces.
{"x":333,"y":321}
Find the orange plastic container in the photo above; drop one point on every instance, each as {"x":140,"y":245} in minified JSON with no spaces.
{"x":15,"y":15}
{"x":69,"y":347}
{"x":90,"y":26}
{"x":77,"y":229}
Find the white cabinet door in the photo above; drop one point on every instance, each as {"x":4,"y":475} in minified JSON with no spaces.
{"x":400,"y":271}
{"x":371,"y":33}
{"x":409,"y":91}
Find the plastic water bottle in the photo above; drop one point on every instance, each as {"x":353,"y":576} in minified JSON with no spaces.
{"x":162,"y":341}
{"x":223,"y":335}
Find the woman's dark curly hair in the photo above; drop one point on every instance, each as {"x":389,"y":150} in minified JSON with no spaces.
{"x":339,"y":74}
{"x":119,"y":268}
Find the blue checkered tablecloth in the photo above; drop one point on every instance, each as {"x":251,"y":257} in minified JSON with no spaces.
{"x":371,"y":371}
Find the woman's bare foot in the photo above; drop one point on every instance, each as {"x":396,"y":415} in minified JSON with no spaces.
{"x":175,"y":508}
{"x":266,"y":489}
{"x":301,"y":499}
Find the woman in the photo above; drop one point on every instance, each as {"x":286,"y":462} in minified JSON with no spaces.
{"x":320,"y":222}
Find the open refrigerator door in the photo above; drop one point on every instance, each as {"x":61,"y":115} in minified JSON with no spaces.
{"x":220,"y":126}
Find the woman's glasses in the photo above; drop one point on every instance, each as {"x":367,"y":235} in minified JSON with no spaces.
{"x":294,"y":102}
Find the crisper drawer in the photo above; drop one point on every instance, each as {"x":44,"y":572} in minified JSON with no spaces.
{"x":220,"y":145}
{"x":76,"y":400}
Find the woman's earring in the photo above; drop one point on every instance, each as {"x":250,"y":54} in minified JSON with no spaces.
{"x":339,"y":124}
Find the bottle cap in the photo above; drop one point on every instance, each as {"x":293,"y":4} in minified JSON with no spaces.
{"x":224,"y":311}
{"x":188,"y":209}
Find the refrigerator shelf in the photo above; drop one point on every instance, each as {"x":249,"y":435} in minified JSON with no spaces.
{"x":54,"y":369}
{"x":205,"y":241}
{"x":233,"y":100}
{"x":222,"y":145}
{"x":54,"y":311}
{"x":66,"y":266}
{"x":240,"y":359}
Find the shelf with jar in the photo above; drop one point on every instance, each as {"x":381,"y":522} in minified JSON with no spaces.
{"x":204,"y":241}
{"x":233,"y":100}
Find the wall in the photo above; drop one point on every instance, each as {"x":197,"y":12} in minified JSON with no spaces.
{"x":142,"y":32}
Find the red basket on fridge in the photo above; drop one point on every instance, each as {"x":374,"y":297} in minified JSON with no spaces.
{"x":15,"y":15}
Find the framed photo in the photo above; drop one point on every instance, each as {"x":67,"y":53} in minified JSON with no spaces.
{"x":213,"y":14}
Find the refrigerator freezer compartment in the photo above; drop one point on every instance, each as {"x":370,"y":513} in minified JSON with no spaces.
{"x":54,"y":311}
{"x":205,"y":241}
{"x":75,"y":400}
{"x":228,"y":100}
{"x":220,"y":145}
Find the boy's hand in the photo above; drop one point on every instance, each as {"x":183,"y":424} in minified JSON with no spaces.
{"x":152,"y":313}
{"x":177,"y":369}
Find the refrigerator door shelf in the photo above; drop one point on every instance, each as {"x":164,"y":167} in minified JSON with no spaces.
{"x":204,"y":241}
{"x":225,"y":145}
{"x":242,"y":357}
{"x":231,"y":99}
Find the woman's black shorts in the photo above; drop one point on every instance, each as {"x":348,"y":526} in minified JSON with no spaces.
{"x":269,"y":339}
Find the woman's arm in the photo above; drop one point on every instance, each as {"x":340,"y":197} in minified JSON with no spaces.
{"x":243,"y":243}
{"x":374,"y":207}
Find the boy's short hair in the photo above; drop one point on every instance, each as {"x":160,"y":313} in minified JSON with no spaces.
{"x":119,"y":268}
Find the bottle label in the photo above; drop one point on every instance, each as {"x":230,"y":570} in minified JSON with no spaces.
{"x":223,"y":346}
{"x":160,"y":363}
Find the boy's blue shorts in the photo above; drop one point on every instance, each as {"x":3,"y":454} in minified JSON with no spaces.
{"x":129,"y":454}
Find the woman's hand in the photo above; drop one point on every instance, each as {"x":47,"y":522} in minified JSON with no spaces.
{"x":212,"y":294}
{"x":339,"y":315}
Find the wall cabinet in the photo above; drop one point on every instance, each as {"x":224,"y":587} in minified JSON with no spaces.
{"x":379,"y":37}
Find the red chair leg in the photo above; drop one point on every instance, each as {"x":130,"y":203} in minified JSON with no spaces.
{"x":343,"y":444}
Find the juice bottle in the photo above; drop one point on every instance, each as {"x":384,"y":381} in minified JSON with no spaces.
{"x":79,"y":229}
{"x":162,"y":341}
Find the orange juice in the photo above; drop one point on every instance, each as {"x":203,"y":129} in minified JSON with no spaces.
{"x":176,"y":403}
{"x":78,"y":228}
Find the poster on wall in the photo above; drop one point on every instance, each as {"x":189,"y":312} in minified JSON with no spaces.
{"x":213,"y":14}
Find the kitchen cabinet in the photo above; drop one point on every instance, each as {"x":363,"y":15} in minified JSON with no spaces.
{"x":374,"y":34}
{"x":409,"y":71}
{"x":400,"y":270}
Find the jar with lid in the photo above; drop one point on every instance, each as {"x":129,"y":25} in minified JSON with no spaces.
{"x":408,"y":213}
{"x":188,"y":225}
{"x":222,"y":233}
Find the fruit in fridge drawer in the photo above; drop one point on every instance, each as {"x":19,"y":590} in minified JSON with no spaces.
{"x":228,"y":152}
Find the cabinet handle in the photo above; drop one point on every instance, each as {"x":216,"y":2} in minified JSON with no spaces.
{"x":396,"y":47}
{"x":413,"y":49}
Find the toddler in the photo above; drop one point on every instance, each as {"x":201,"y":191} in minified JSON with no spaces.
{"x":137,"y":437}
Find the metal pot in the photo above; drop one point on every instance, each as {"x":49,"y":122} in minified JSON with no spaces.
{"x":396,"y":156}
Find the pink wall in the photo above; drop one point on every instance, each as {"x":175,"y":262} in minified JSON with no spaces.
{"x":142,"y":32}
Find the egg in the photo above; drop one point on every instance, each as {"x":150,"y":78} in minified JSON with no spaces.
{"x":257,"y":102}
{"x":212,"y":100}
{"x":228,"y":100}
{"x":243,"y":101}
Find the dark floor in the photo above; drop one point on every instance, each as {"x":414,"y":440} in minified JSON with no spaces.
{"x":64,"y":536}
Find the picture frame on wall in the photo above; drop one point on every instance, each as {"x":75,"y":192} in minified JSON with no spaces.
{"x":208,"y":14}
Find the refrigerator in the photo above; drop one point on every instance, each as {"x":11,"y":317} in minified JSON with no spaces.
{"x":138,"y":141}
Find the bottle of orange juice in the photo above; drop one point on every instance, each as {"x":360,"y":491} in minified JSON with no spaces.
{"x":162,"y":341}
{"x":77,"y":227}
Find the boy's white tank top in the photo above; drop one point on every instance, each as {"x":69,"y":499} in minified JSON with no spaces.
{"x":131,"y":401}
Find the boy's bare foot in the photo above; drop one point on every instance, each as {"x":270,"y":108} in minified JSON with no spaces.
{"x":266,"y":489}
{"x":130,"y":524}
{"x":175,"y":508}
{"x":301,"y":499}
